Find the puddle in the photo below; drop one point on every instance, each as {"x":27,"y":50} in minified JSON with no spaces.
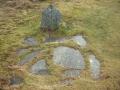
{"x":68,"y":58}
{"x":39,"y":68}
{"x":30,"y":41}
{"x":94,"y":67}
{"x":71,"y":73}
{"x":80,"y":40}
{"x":16,"y":80}
{"x":28,"y":58}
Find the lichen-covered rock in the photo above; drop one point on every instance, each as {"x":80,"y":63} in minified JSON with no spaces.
{"x":40,"y":68}
{"x":51,"y":18}
{"x":68,"y":58}
{"x":79,"y":40}
{"x":94,"y":67}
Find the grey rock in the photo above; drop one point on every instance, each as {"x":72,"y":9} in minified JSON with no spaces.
{"x":51,"y":18}
{"x":28,"y":58}
{"x":40,"y":68}
{"x":79,"y":40}
{"x":52,"y":39}
{"x":68,"y":58}
{"x":71,"y":73}
{"x":16,"y":80}
{"x":94,"y":67}
{"x":30,"y":41}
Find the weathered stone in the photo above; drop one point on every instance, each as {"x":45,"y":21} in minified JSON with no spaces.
{"x":71,"y":73}
{"x":40,"y":68}
{"x":94,"y":67}
{"x":30,"y":41}
{"x":68,"y":58}
{"x":16,"y":80}
{"x":28,"y":58}
{"x":52,"y":39}
{"x":79,"y":40}
{"x":51,"y":18}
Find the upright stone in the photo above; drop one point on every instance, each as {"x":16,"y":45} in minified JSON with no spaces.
{"x":51,"y":18}
{"x":94,"y":67}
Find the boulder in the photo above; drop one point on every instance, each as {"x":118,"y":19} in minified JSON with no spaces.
{"x":68,"y":58}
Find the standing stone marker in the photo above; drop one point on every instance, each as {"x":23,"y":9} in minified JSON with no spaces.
{"x":51,"y":18}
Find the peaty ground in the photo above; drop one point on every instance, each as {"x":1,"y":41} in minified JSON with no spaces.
{"x":97,"y":20}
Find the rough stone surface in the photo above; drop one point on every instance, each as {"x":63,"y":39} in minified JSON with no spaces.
{"x":30,"y":41}
{"x":79,"y":40}
{"x":52,"y":39}
{"x":40,"y":68}
{"x":71,"y":73}
{"x":16,"y":80}
{"x":28,"y":58}
{"x":94,"y":67}
{"x":68,"y":58}
{"x":51,"y":18}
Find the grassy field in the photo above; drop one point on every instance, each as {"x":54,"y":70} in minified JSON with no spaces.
{"x":97,"y":20}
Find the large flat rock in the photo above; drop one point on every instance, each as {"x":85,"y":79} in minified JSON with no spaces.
{"x":68,"y":58}
{"x":39,"y":68}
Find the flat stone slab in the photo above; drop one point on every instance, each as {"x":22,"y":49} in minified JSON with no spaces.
{"x":16,"y":80}
{"x":28,"y":58}
{"x":30,"y":41}
{"x":79,"y":40}
{"x":71,"y":73}
{"x":68,"y":58}
{"x":39,"y":68}
{"x":52,"y":39}
{"x":94,"y":67}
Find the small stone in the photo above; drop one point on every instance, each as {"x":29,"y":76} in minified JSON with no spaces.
{"x":94,"y":67}
{"x":28,"y":58}
{"x":79,"y":40}
{"x":68,"y":58}
{"x":30,"y":41}
{"x":16,"y":80}
{"x":40,"y":68}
